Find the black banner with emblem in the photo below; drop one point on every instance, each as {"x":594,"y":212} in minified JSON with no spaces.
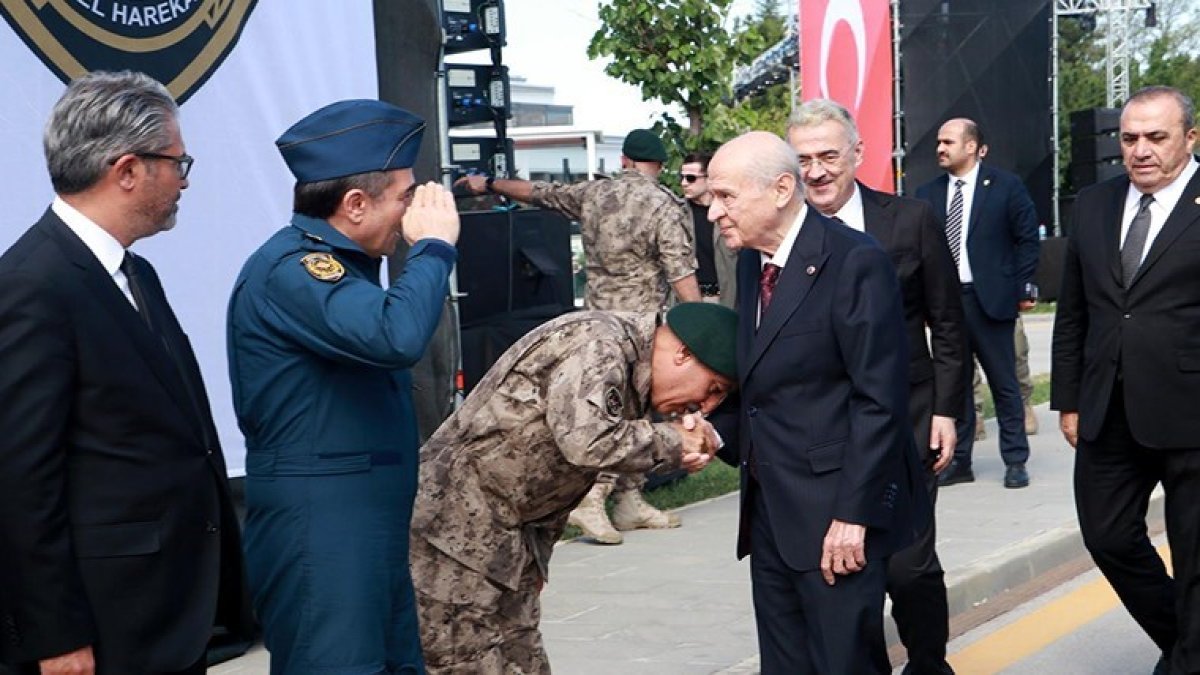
{"x":178,"y":42}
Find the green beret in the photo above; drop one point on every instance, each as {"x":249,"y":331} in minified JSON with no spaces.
{"x":709,"y":331}
{"x":641,"y":145}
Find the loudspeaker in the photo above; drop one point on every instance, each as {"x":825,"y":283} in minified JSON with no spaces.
{"x":1095,"y":148}
{"x":1095,"y":121}
{"x":513,"y":260}
{"x":1084,"y":174}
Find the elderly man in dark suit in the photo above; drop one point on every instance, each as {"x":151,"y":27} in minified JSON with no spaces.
{"x":829,"y":149}
{"x":991,"y":227}
{"x":1126,"y":366}
{"x":829,"y":467}
{"x":120,"y":541}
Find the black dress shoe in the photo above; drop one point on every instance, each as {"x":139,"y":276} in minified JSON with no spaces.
{"x":1015,"y":476}
{"x":956,"y":473}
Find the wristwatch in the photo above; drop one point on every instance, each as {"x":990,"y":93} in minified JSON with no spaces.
{"x":488,"y":184}
{"x":1031,"y":292}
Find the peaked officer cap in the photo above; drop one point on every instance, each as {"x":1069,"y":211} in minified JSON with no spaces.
{"x":351,"y":137}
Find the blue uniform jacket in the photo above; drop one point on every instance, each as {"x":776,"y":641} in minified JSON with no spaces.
{"x":319,"y":368}
{"x":318,"y":358}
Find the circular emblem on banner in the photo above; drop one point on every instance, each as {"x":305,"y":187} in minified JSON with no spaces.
{"x":177,"y":42}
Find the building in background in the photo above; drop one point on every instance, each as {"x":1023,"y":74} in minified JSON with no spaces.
{"x":546,"y":143}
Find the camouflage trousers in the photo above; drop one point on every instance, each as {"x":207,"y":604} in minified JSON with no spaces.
{"x":622,"y":482}
{"x":471,"y":625}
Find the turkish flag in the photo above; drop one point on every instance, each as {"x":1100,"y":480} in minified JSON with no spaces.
{"x":846,"y":55}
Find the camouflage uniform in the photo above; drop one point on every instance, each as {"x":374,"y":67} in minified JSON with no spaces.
{"x":636,"y":236}
{"x":500,"y":476}
{"x":637,"y":239}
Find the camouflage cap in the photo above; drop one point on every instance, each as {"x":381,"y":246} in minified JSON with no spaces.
{"x":709,"y":331}
{"x":642,"y":145}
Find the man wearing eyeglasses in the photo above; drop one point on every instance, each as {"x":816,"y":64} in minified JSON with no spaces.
{"x":826,"y":139}
{"x":121,"y":548}
{"x":716,"y":262}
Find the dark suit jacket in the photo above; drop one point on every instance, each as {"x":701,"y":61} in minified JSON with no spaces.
{"x":909,"y":232}
{"x":1002,"y":238}
{"x":1150,"y":332}
{"x":823,"y":411}
{"x":115,"y":512}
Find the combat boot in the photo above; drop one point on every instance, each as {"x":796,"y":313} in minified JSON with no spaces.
{"x":591,"y":517}
{"x":631,"y":512}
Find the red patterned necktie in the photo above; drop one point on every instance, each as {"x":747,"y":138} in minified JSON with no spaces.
{"x":766,"y":285}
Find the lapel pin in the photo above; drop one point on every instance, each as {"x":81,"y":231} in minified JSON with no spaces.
{"x":1197,"y":200}
{"x":987,"y":182}
{"x":811,"y":270}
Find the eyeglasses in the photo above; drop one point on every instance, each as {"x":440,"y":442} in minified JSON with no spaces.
{"x":827,"y":160}
{"x":692,"y":177}
{"x":182,"y":162}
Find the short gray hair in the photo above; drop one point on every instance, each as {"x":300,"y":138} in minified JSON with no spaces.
{"x":774,"y":158}
{"x":822,"y":110}
{"x":1155,"y":91}
{"x":100,"y":117}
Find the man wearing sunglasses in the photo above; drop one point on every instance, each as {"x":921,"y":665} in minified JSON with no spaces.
{"x":716,"y":262}
{"x":121,"y":546}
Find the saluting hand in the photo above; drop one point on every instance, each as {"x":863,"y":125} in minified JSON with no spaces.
{"x":432,"y":214}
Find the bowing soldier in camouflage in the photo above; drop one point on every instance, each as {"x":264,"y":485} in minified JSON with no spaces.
{"x":637,"y":238}
{"x":499,"y":478}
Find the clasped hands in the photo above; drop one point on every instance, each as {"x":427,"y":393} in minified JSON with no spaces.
{"x":700,"y":441}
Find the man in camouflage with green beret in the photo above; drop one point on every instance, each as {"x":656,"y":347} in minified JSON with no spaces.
{"x":637,"y":238}
{"x":499,"y":478}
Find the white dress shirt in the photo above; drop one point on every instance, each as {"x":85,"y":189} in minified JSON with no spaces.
{"x":968,"y":189}
{"x":851,"y":212}
{"x":103,"y":245}
{"x":785,"y":249}
{"x":1160,"y":209}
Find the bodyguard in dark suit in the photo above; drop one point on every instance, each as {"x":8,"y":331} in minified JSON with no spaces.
{"x":121,"y":547}
{"x":991,"y":227}
{"x":829,"y":149}
{"x":829,"y":469}
{"x":1126,"y":366}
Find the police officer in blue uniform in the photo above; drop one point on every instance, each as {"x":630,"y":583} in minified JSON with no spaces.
{"x":319,"y":356}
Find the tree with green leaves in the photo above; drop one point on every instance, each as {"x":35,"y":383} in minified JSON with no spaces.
{"x":677,"y":51}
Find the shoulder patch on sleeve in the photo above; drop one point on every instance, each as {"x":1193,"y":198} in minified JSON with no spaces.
{"x":613,"y":404}
{"x":323,"y":267}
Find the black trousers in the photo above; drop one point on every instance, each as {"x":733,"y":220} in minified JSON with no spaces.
{"x":915,"y":579}
{"x":1114,"y":476}
{"x":991,"y":342}
{"x":808,"y":627}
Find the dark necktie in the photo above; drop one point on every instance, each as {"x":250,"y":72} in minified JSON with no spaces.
{"x":1135,"y":240}
{"x":954,"y":218}
{"x":137,"y":290}
{"x":766,"y":285}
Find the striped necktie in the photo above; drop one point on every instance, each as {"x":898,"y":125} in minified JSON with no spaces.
{"x":954,"y":219}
